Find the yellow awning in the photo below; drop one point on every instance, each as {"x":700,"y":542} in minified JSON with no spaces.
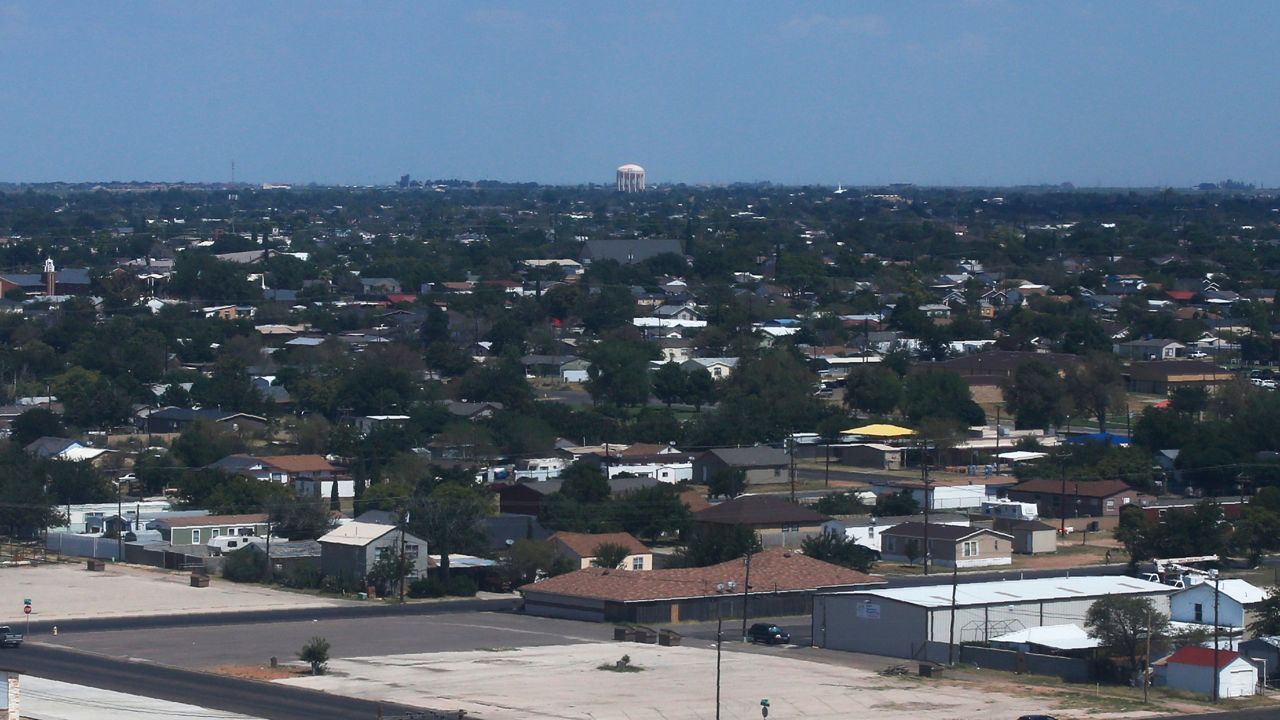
{"x":880,"y":430}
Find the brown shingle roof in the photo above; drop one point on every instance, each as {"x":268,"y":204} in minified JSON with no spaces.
{"x":759,"y":510}
{"x":774,"y":569}
{"x":585,"y":544}
{"x":207,"y":520}
{"x":299,"y":463}
{"x":694,"y":500}
{"x":1090,"y":488}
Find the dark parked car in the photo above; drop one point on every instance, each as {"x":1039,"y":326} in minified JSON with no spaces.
{"x":1036,"y":717}
{"x":768,"y":634}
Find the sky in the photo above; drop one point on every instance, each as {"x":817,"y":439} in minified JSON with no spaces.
{"x":964,"y":92}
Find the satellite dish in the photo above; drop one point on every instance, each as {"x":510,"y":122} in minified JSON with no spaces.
{"x":510,"y":542}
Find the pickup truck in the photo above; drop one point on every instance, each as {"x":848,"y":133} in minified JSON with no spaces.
{"x":8,"y":638}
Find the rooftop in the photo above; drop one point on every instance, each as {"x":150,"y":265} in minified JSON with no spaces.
{"x":356,"y":533}
{"x":208,"y":520}
{"x":1006,"y":592}
{"x":586,"y":544}
{"x":758,"y":510}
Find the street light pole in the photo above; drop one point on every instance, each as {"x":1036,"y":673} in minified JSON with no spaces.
{"x":1217,"y":577}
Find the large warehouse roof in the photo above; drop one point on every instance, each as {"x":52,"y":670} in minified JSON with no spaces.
{"x":1017,"y":591}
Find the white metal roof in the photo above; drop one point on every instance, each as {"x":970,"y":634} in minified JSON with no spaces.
{"x":356,"y":533}
{"x":1242,"y":591}
{"x":1002,"y":592}
{"x":1059,"y":637}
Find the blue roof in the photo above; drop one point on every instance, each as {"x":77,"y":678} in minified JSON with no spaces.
{"x":1103,"y":438}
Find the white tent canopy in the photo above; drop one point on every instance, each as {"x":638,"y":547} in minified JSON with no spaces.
{"x":1020,"y":455}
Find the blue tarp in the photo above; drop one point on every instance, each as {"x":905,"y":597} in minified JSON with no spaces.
{"x":1102,"y":438}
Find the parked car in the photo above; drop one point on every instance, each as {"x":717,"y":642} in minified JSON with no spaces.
{"x":8,"y":638}
{"x":768,"y":634}
{"x":1036,"y":717}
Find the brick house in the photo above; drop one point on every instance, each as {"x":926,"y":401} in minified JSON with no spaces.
{"x":1095,"y":498}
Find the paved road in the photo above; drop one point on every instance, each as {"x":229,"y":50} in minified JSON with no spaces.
{"x":209,"y":646}
{"x":248,"y":697}
{"x":370,"y":610}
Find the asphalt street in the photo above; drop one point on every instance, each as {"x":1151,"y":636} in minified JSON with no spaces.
{"x":209,"y":646}
{"x":218,"y":692}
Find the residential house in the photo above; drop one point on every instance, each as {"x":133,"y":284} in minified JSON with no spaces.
{"x":1237,"y":603}
{"x":677,"y":312}
{"x":310,"y":476}
{"x":1198,"y":669}
{"x":1030,"y":537}
{"x":1096,"y":498}
{"x":867,"y":530}
{"x":202,"y":529}
{"x":760,"y":465}
{"x":949,"y":546}
{"x":1152,"y":349}
{"x":868,"y":455}
{"x":1162,"y":377}
{"x":676,"y":350}
{"x":630,"y":250}
{"x":1263,"y":652}
{"x":784,"y":581}
{"x":176,"y":419}
{"x":943,"y":493}
{"x":366,"y":424}
{"x":580,"y":549}
{"x":67,"y":449}
{"x":472,"y":411}
{"x":720,"y":368}
{"x":777,"y":522}
{"x":379,"y":286}
{"x":351,"y":550}
{"x":575,"y":370}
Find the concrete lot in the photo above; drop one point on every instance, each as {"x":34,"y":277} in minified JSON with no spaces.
{"x":52,"y":700}
{"x":62,"y":591}
{"x":223,"y":645}
{"x":676,"y":684}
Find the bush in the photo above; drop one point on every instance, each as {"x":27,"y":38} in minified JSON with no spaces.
{"x":301,"y":577}
{"x":462,"y":586}
{"x":428,"y":588}
{"x":316,"y":653}
{"x":247,"y":564}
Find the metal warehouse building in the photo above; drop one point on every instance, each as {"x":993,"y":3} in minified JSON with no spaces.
{"x":900,"y":622}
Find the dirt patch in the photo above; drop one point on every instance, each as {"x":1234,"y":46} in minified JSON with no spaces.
{"x":261,"y":672}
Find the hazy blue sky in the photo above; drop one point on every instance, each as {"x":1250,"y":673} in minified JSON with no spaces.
{"x":977,"y":92}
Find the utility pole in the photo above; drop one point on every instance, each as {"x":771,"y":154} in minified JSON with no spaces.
{"x":119,"y":523}
{"x":1146,"y":661}
{"x":1217,"y":579}
{"x":791,"y":446}
{"x":403,"y":570}
{"x":951,"y":638}
{"x":924,"y":479}
{"x":746,"y":586}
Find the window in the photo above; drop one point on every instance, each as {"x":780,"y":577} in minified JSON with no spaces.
{"x":384,"y":552}
{"x":637,"y":562}
{"x":215,"y":533}
{"x":888,"y":543}
{"x":790,"y":527}
{"x":1199,"y":612}
{"x":1111,"y":503}
{"x":411,"y":552}
{"x":195,"y":536}
{"x":777,"y":472}
{"x":970,"y":548}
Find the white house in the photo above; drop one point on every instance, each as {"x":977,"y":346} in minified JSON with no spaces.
{"x":1191,"y":669}
{"x":720,"y":368}
{"x":865,"y":530}
{"x":944,"y":494}
{"x":1236,"y":602}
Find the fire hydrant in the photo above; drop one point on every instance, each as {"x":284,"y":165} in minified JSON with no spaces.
{"x":55,"y":630}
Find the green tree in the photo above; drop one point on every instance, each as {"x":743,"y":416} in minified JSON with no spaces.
{"x":619,"y":371}
{"x":248,"y":564}
{"x":699,"y":389}
{"x":448,"y":519}
{"x":940,"y":394}
{"x":315,"y":653}
{"x":529,"y":560}
{"x":1122,"y":624}
{"x":584,"y":483}
{"x":1096,"y":387}
{"x":727,"y":483}
{"x":669,"y":383}
{"x":845,"y":503}
{"x":651,"y":513}
{"x":713,"y":544}
{"x":609,"y":555}
{"x":33,"y":425}
{"x":1036,"y":395}
{"x":872,"y":389}
{"x":896,"y":504}
{"x":911,"y":549}
{"x":203,"y":442}
{"x":611,"y":308}
{"x":837,"y":549}
{"x":1266,"y":621}
{"x":89,"y":399}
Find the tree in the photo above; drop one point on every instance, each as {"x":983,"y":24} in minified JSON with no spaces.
{"x":1036,"y":395}
{"x":940,"y":394}
{"x":609,"y":555}
{"x":1096,"y":386}
{"x":316,"y":653}
{"x":911,"y":548}
{"x":896,"y":504}
{"x":699,"y":389}
{"x":669,"y":383}
{"x":838,"y":549}
{"x":248,"y":564}
{"x":299,"y":518}
{"x":1123,"y":624}
{"x":35,"y":424}
{"x":846,"y":503}
{"x":619,"y":371}
{"x":583,"y":483}
{"x":872,"y":389}
{"x":203,"y":442}
{"x":448,"y":519}
{"x":727,"y":482}
{"x":1267,"y":615}
{"x":530,"y":559}
{"x":651,"y":512}
{"x":713,"y":544}
{"x":1189,"y":400}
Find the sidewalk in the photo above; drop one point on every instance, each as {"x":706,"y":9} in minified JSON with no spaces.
{"x":52,"y":700}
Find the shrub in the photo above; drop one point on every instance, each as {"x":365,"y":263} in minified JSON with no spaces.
{"x":301,"y":577}
{"x":462,"y":586}
{"x":428,"y":588}
{"x":247,"y":564}
{"x":316,"y":652}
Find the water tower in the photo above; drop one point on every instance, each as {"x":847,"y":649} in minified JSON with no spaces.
{"x":630,"y":178}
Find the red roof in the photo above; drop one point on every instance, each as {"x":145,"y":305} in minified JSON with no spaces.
{"x":401,"y":297}
{"x":298,"y":463}
{"x":1180,"y":294}
{"x":772,"y":570}
{"x":1202,"y":656}
{"x":1087,"y":488}
{"x":585,"y":544}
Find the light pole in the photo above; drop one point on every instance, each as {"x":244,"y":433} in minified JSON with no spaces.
{"x":721,"y":588}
